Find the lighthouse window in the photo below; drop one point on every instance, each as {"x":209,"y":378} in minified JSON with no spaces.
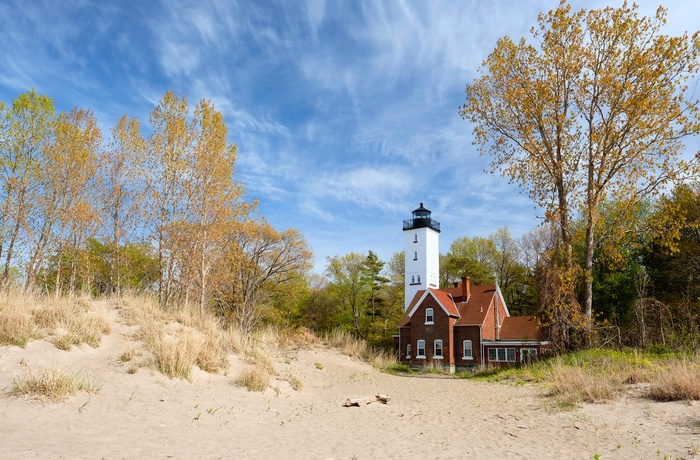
{"x":418,"y":279}
{"x":415,"y":255}
{"x":415,"y":238}
{"x":413,"y":280}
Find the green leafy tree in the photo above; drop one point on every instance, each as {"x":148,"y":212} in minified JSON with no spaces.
{"x":473,"y":257}
{"x":346,"y":275}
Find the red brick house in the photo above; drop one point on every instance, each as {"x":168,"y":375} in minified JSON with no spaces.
{"x":465,"y":326}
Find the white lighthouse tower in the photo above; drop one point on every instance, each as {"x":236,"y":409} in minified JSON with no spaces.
{"x":422,"y":261}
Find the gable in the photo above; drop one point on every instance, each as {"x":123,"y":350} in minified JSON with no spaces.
{"x":441,"y":298}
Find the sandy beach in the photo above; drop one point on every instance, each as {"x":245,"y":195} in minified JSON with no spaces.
{"x":148,"y":415}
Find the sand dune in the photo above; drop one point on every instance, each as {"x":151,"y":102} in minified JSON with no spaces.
{"x":148,"y":415}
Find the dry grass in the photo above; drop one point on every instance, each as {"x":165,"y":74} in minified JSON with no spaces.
{"x":295,"y":382}
{"x":261,"y":359}
{"x":572,"y":385}
{"x":178,"y":339}
{"x":601,"y":375}
{"x":254,"y":378}
{"x":55,"y":385}
{"x":175,"y":357}
{"x":680,"y":381}
{"x":81,"y":329}
{"x":25,"y":317}
{"x":17,"y":328}
{"x":357,"y":348}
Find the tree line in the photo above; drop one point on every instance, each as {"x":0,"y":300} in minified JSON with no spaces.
{"x":159,"y":212}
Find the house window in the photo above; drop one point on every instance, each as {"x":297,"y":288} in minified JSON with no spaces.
{"x":502,"y":355}
{"x":415,"y":237}
{"x":421,"y":349}
{"x":527,"y":354}
{"x":437,"y":349}
{"x":429,"y":318}
{"x":467,"y":350}
{"x":415,"y":255}
{"x":408,"y":350}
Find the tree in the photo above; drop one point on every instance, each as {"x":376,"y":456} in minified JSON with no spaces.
{"x":215,"y":197}
{"x":597,"y":112}
{"x":473,"y":257}
{"x":511,"y":273}
{"x":257,"y":261}
{"x":345,"y":273}
{"x":379,"y":309}
{"x":169,"y":154}
{"x":67,"y":215}
{"x":120,"y":197}
{"x":25,"y":132}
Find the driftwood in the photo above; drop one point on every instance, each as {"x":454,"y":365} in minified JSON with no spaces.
{"x":368,"y":400}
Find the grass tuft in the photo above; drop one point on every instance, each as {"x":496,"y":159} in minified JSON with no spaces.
{"x":17,"y":328}
{"x":254,"y":378}
{"x":55,"y":385}
{"x":678,"y":382}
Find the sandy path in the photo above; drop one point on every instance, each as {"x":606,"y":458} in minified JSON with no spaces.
{"x":147,"y":415}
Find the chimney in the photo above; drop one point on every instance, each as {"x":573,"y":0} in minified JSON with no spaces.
{"x":466,"y":288}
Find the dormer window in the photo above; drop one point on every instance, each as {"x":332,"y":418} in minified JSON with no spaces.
{"x":429,"y":318}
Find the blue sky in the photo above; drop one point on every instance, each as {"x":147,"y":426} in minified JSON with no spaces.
{"x":345,"y":113}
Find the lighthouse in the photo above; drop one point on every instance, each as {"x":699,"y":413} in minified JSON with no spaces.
{"x":422,"y":253}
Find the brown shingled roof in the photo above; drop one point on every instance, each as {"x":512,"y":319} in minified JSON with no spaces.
{"x":519,"y":328}
{"x":474,"y":311}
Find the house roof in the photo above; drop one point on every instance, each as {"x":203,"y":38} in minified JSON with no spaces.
{"x":519,"y":328}
{"x":475,"y":309}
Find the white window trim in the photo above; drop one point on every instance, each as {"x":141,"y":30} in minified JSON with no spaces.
{"x":464,"y":349}
{"x":432,"y":316}
{"x":418,"y":347}
{"x":435,"y":344}
{"x":505,"y":351}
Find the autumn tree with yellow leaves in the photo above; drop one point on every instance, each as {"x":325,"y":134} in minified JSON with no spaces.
{"x":25,"y":133}
{"x":593,"y":109}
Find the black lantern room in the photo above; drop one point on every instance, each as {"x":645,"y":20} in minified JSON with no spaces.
{"x":421,"y":219}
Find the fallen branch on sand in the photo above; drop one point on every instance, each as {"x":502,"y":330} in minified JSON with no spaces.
{"x":368,"y":400}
